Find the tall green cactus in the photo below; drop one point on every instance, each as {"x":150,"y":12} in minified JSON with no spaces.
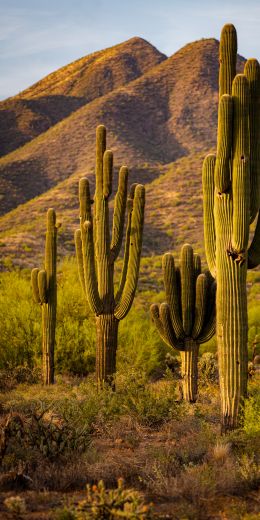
{"x":44,"y":286}
{"x":231,"y":185}
{"x":188,"y":317}
{"x":97,"y":252}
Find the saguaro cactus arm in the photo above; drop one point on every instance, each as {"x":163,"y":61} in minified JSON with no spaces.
{"x":135,"y":247}
{"x":252,"y":73}
{"x":172,"y":296}
{"x":209,"y":327}
{"x":208,"y":206}
{"x":227,"y":58}
{"x":85,"y":249}
{"x":119,"y":213}
{"x":254,"y":249}
{"x":80,"y":259}
{"x":35,"y":286}
{"x":200,"y":305}
{"x":187,"y":288}
{"x":162,"y":319}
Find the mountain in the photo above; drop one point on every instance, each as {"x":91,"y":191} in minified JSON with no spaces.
{"x":53,"y":98}
{"x":161,"y":122}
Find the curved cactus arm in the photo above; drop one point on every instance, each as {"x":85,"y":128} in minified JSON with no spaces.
{"x":35,"y":287}
{"x":170,"y":337}
{"x":227,"y":58}
{"x":208,"y":207}
{"x":252,"y":73}
{"x":155,"y":316}
{"x":90,"y":276}
{"x":43,"y":286}
{"x":84,"y":201}
{"x":200,"y":305}
{"x":119,"y":213}
{"x":86,"y":256}
{"x":197,"y":265}
{"x":107,"y":173}
{"x":187,"y":288}
{"x":130,"y":203}
{"x":240,"y":168}
{"x":135,"y":247}
{"x":224,"y":140}
{"x":209,"y":327}
{"x":172,"y":296}
{"x":254,"y":249}
{"x":79,"y":256}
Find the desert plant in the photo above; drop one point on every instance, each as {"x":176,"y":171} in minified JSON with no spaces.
{"x":110,"y":504}
{"x":44,"y":288}
{"x":231,"y":185}
{"x":96,"y":253}
{"x":188,"y":317}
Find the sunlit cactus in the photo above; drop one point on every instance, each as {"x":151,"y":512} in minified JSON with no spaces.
{"x":231,"y":185}
{"x":97,"y":252}
{"x":44,"y":286}
{"x":187,"y":319}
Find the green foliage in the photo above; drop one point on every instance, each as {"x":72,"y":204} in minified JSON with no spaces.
{"x":109,"y":504}
{"x":20,"y":328}
{"x":252,"y":413}
{"x":208,"y":368}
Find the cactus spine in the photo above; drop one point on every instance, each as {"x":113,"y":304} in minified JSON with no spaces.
{"x":231,"y":185}
{"x":188,"y":317}
{"x":97,"y":252}
{"x":44,"y":286}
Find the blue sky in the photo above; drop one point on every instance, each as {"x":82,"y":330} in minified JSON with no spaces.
{"x":37,"y":36}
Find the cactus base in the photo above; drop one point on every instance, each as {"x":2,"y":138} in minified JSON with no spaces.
{"x":107,"y":333}
{"x":189,"y":370}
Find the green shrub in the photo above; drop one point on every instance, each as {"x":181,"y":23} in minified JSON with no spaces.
{"x":109,"y":504}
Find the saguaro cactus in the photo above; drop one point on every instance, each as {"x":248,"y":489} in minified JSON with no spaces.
{"x":97,"y":253}
{"x":188,"y":317}
{"x":231,"y":185}
{"x":44,"y":286}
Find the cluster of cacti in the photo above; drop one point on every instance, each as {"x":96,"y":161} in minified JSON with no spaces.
{"x":97,"y":252}
{"x":188,"y":317}
{"x":231,"y":185}
{"x":44,"y":287}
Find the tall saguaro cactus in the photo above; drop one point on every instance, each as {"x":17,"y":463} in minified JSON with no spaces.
{"x":44,"y":286}
{"x":97,"y":252}
{"x":188,"y":317}
{"x":231,"y":185}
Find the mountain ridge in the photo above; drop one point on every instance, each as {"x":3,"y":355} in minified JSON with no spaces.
{"x":161,"y":124}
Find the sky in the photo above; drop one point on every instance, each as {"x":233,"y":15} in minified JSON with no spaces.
{"x":37,"y":37}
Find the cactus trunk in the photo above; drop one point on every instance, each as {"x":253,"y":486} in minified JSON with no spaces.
{"x":48,"y":341}
{"x":189,"y":370}
{"x":231,"y":337}
{"x":107,"y":332}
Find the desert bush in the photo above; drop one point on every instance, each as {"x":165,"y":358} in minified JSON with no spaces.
{"x":208,"y":368}
{"x":109,"y":504}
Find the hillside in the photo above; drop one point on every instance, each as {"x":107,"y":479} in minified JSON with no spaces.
{"x":161,"y":125}
{"x":53,"y":98}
